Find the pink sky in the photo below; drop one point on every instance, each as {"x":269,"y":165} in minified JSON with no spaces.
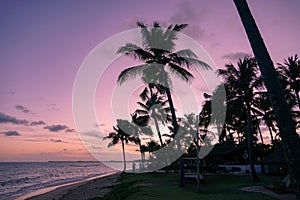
{"x":44,"y":43}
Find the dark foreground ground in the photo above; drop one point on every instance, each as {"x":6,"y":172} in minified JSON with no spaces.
{"x":156,"y":186}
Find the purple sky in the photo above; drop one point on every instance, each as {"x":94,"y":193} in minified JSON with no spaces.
{"x":43,"y":44}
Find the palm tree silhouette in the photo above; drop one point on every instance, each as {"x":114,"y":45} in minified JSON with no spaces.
{"x":154,"y":106}
{"x":290,"y":139}
{"x":120,"y":136}
{"x":262,"y":102}
{"x":137,"y":128}
{"x":158,"y":56}
{"x":242,"y":81}
{"x":290,"y":75}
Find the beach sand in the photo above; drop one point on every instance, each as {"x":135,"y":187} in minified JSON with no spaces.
{"x":87,"y":189}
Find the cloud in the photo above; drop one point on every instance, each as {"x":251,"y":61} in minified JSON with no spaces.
{"x":52,"y":107}
{"x":69,"y":130}
{"x":94,"y":134}
{"x":11,"y":133}
{"x":56,"y":128}
{"x":236,"y":55}
{"x":36,"y":123}
{"x":22,"y":109}
{"x":4,"y":118}
{"x":59,"y":127}
{"x":99,"y":125}
{"x":187,"y":13}
{"x":54,"y":140}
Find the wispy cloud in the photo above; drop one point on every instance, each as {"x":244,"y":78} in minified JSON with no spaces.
{"x":23,"y":109}
{"x":187,"y":13}
{"x":11,"y":133}
{"x":53,"y":107}
{"x":69,"y":130}
{"x":4,"y":118}
{"x":36,"y":123}
{"x":235,"y":55}
{"x":56,"y":140}
{"x":58,"y":128}
{"x":99,"y":125}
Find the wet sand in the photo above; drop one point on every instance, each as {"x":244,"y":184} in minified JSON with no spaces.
{"x":86,"y":189}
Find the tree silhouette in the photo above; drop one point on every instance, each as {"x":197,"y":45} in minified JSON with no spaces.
{"x":120,"y":136}
{"x":137,"y":128}
{"x":243,"y":81}
{"x":158,"y":57}
{"x":154,"y":106}
{"x":290,"y":139}
{"x":290,"y":75}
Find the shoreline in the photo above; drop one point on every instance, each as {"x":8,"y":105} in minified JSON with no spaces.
{"x":95,"y":186}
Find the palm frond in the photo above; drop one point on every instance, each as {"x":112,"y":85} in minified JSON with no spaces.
{"x":131,"y":73}
{"x":180,"y":72}
{"x":180,"y":27}
{"x":156,"y":24}
{"x":143,"y":105}
{"x":144,"y":94}
{"x":197,"y":64}
{"x":141,"y":112}
{"x":135,"y":52}
{"x":187,"y":53}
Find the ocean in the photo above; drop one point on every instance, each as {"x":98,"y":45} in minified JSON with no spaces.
{"x":19,"y":178}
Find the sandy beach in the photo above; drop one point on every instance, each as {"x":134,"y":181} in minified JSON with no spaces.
{"x":86,"y":189}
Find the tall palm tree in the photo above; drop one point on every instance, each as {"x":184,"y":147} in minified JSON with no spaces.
{"x":154,"y":106}
{"x":290,"y":73}
{"x":119,"y":136}
{"x":243,"y":81}
{"x":290,"y":139}
{"x":158,"y":57}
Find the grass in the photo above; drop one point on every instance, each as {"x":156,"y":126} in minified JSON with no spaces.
{"x":152,"y":186}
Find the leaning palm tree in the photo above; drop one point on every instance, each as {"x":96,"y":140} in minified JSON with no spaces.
{"x":119,"y":136}
{"x":243,"y":81}
{"x":290,"y":139}
{"x":158,"y":57}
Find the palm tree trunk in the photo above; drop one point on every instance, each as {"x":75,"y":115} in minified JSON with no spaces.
{"x":260,"y":134}
{"x":124,"y":159}
{"x":271,"y":134}
{"x":142,"y":154}
{"x":158,"y":132}
{"x":290,"y":139}
{"x":175,"y":126}
{"x":298,"y":98}
{"x":250,"y":143}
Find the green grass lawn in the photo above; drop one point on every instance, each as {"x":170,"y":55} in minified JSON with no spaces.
{"x":165,"y":186}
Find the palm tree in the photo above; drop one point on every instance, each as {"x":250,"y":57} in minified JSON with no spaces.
{"x":158,"y":57}
{"x":290,"y":74}
{"x":265,"y":111}
{"x":154,"y":106}
{"x":242,"y":82}
{"x":137,"y":128}
{"x":117,"y":136}
{"x":290,"y":139}
{"x":152,"y":146}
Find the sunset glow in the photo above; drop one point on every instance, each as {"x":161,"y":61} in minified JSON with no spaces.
{"x":43,"y":45}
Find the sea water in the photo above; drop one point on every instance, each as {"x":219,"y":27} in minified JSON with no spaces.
{"x":19,"y":178}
